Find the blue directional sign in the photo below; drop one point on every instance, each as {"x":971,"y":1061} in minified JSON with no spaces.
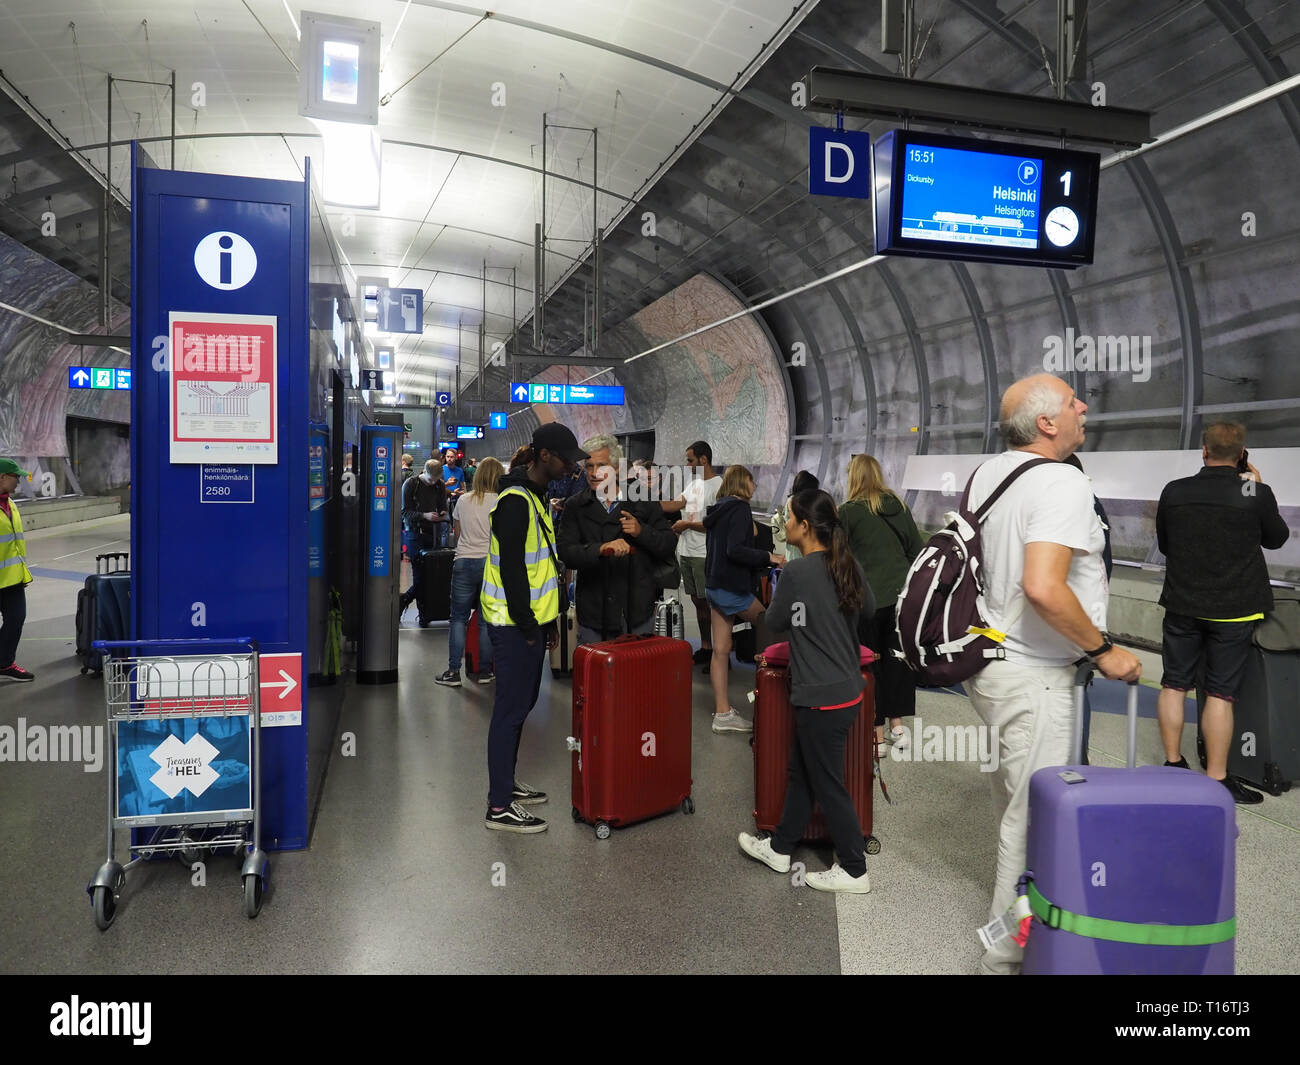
{"x":103,"y":377}
{"x":584,"y":395}
{"x":839,"y":162}
{"x":497,"y":420}
{"x":442,"y":399}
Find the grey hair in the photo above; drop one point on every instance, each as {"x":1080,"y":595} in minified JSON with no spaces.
{"x":1020,"y":428}
{"x":432,"y":466}
{"x":600,"y":443}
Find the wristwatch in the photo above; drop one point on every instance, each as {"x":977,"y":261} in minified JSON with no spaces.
{"x":1106,"y":646}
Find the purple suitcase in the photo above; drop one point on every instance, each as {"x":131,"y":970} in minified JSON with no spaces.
{"x":1153,"y":848}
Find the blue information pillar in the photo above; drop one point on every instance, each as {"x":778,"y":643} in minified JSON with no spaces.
{"x":219,"y":440}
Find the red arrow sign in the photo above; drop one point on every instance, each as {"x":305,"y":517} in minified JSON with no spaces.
{"x":280,"y":678}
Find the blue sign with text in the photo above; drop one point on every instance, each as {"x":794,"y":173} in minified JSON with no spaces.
{"x":381,"y":498}
{"x":583,"y":395}
{"x":226,"y":484}
{"x":839,"y":162}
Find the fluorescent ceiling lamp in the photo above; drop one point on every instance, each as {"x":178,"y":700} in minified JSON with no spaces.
{"x":351,"y":165}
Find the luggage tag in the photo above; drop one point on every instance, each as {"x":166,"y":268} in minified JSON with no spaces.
{"x":1013,"y":924}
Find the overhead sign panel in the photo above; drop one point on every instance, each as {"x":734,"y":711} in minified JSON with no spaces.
{"x":583,"y":395}
{"x":400,"y":310}
{"x":103,"y":377}
{"x":497,"y":419}
{"x":839,"y":162}
{"x":992,"y":201}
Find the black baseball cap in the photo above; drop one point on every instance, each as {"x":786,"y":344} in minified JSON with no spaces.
{"x":559,"y":440}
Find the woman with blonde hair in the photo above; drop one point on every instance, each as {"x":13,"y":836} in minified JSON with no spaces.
{"x":884,"y":539}
{"x":731,"y":560}
{"x":473,"y":534}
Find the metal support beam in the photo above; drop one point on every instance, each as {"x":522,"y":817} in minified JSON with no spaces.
{"x":881,"y":96}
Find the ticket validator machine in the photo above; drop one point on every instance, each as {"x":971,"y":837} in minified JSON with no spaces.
{"x":381,"y":488}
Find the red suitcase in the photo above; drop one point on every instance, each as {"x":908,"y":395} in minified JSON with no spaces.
{"x":471,"y":643}
{"x":773,"y":734}
{"x":631,"y":739}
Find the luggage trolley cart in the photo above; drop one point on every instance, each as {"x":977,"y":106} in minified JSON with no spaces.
{"x":186,"y":741}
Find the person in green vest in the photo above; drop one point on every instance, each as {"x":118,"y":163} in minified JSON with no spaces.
{"x":14,"y":574}
{"x":884,"y":539}
{"x":519,"y":603}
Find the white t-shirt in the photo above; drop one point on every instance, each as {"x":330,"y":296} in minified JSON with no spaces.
{"x":1049,"y":504}
{"x":475,"y":525}
{"x":700,"y":495}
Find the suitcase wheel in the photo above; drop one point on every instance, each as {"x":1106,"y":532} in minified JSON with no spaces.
{"x":688,"y":805}
{"x":873,"y":844}
{"x":84,"y":671}
{"x":602,"y":830}
{"x":576,"y":816}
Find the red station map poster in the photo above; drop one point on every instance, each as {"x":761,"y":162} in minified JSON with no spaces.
{"x":223,"y":381}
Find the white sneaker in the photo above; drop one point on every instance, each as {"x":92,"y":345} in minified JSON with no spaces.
{"x":761,"y":850}
{"x":836,"y":879}
{"x":899,"y":737}
{"x":731,"y":721}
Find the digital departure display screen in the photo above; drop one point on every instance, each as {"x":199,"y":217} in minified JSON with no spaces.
{"x":946,"y":197}
{"x":961,"y":197}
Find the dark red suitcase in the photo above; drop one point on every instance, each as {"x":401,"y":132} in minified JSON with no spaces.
{"x":773,"y":734}
{"x":631,"y":739}
{"x":471,"y":643}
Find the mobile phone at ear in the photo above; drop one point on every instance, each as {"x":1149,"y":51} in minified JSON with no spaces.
{"x":1242,"y":465}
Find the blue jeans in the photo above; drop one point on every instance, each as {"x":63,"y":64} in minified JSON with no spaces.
{"x":519,"y":679}
{"x":466,"y":583}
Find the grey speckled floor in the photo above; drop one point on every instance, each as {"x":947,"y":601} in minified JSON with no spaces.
{"x":400,"y":874}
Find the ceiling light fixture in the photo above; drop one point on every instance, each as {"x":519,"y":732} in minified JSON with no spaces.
{"x":351,"y":165}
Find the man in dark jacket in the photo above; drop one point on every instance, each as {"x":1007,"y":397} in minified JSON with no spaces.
{"x":424,"y":514}
{"x":614,"y":544}
{"x":1211,"y":528}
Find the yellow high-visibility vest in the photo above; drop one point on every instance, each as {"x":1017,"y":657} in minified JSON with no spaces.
{"x":540,"y":561}
{"x":13,"y":549}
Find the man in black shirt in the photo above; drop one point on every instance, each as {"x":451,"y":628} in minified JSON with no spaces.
{"x":424,"y":512}
{"x":1211,"y":528}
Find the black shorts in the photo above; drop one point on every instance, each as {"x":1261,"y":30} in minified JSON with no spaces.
{"x":1213,"y":650}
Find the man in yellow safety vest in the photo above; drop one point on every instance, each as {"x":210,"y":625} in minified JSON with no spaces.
{"x":14,"y":574}
{"x":520,"y":601}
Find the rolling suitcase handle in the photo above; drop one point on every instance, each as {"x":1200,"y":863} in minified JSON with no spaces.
{"x":1082,"y":678}
{"x":112,"y":562}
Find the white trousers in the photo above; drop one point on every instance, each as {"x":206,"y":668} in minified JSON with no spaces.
{"x":1032,"y":707}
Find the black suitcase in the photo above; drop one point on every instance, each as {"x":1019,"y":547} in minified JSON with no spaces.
{"x":103,"y":609}
{"x":1265,"y":748}
{"x":434,"y":602}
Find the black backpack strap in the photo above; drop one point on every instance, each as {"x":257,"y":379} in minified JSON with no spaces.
{"x":978,"y":517}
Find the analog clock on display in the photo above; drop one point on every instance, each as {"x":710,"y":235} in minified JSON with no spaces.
{"x":1062,"y":226}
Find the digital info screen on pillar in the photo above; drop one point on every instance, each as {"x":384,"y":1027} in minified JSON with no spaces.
{"x":222,"y":394}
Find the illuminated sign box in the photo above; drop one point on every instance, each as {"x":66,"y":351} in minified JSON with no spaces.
{"x":338,"y":63}
{"x":948,"y":197}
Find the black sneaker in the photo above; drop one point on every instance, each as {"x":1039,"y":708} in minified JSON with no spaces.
{"x":16,"y":672}
{"x":451,"y":679}
{"x":1180,"y":764}
{"x":704,"y":654}
{"x":486,"y":678}
{"x":527,"y":796}
{"x":1240,"y":795}
{"x":514,"y":818}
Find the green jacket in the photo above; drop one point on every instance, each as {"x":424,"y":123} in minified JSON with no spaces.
{"x":875,"y":542}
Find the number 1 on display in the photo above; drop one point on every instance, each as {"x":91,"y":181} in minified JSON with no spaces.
{"x":1065,"y":180}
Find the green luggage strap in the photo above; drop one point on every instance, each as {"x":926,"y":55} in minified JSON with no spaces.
{"x":1163,"y":935}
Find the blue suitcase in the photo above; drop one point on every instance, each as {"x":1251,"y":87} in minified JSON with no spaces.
{"x":1130,"y":870}
{"x":103,"y":609}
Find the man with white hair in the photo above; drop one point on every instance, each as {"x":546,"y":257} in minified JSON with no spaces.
{"x":1045,"y":588}
{"x":614,"y":544}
